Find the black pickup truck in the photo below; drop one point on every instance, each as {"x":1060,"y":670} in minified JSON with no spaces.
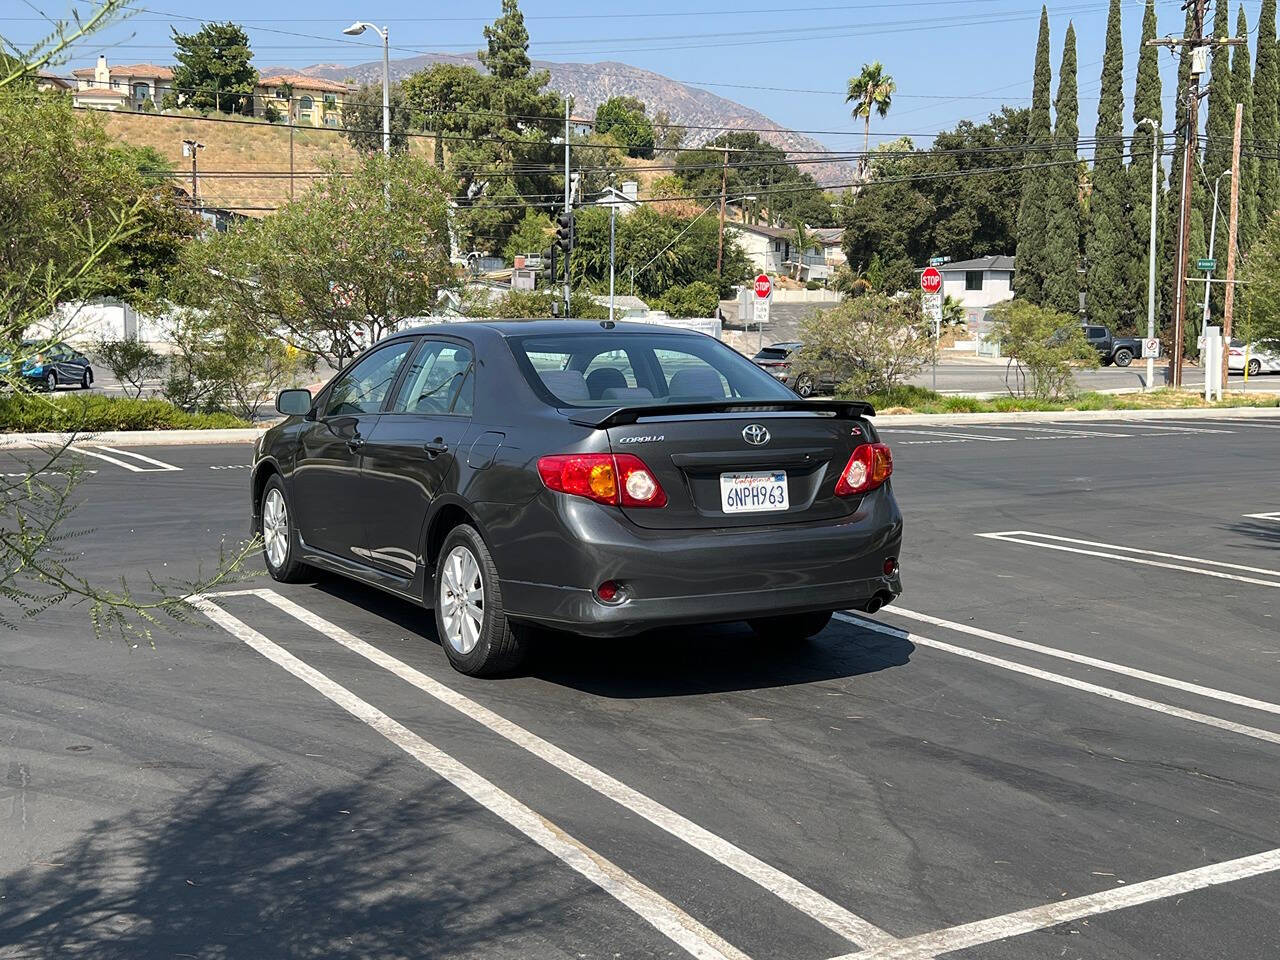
{"x":1117,"y":350}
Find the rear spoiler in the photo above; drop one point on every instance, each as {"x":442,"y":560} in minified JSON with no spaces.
{"x":602,"y":417}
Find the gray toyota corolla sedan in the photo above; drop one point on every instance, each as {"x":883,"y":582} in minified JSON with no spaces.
{"x":587,"y":476}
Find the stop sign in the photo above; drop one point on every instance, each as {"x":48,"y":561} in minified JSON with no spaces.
{"x":764,"y":287}
{"x":931,"y":280}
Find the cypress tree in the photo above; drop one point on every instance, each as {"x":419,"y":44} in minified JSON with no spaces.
{"x":1107,"y":244}
{"x":1062,"y":243}
{"x":1032,"y":212}
{"x":1242,"y":85}
{"x":1266,"y":125}
{"x":1147,"y":104}
{"x":1173,"y":197}
{"x":1219,"y":129}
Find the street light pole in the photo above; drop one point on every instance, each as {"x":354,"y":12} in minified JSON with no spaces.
{"x":355,"y":30}
{"x":613,"y":213}
{"x":1151,"y":252}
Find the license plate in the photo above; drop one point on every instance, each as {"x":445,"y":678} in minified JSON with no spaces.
{"x":763,"y":491}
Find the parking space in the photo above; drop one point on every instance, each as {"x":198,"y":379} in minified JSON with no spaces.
{"x":1064,"y":741}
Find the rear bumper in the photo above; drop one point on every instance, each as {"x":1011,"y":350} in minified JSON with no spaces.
{"x":670,"y":578}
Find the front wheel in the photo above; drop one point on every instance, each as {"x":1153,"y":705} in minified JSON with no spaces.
{"x":1255,"y":367}
{"x":474,"y":631}
{"x":797,"y":627}
{"x":278,"y":540}
{"x":804,"y":385}
{"x":51,"y":381}
{"x":1123,"y":357}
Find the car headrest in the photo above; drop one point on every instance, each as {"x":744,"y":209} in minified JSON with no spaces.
{"x":598,"y":381}
{"x":627,"y":393}
{"x":567,"y":385}
{"x":696,"y":383}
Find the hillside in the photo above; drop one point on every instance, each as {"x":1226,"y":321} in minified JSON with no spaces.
{"x":590,"y":84}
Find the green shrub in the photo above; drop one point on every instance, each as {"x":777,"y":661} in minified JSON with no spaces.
{"x":40,"y":413}
{"x":812,"y":285}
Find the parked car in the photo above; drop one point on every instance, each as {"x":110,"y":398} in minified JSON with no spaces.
{"x":779,"y":360}
{"x":53,"y":365}
{"x":1112,"y":349}
{"x":1260,"y":357}
{"x":586,"y":476}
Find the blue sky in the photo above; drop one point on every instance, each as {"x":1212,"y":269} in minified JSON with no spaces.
{"x":952,"y":59}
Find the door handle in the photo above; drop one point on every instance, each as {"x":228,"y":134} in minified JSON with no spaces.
{"x":355,"y":443}
{"x":436,"y":447}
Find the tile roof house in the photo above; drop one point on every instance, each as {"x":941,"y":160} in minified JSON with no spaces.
{"x":128,"y":87}
{"x":303,"y":100}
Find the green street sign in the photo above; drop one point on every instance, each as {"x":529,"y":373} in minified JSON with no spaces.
{"x":1206,"y":265}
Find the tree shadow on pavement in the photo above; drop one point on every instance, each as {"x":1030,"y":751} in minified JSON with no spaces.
{"x":246,"y":867}
{"x":1265,"y":531}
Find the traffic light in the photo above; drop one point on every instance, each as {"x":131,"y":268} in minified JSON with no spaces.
{"x":547,"y":275}
{"x":564,"y":231}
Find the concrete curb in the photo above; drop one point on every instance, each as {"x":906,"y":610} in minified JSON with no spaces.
{"x":1194,"y":413}
{"x":133,"y":438}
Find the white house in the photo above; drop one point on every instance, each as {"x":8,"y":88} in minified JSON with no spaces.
{"x":770,"y":250}
{"x":129,"y":87}
{"x":978,"y":285}
{"x":625,"y":199}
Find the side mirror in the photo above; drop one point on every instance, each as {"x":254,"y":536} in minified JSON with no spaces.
{"x":294,"y":403}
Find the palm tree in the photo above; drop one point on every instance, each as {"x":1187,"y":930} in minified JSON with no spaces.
{"x":870,"y":90}
{"x":801,"y":240}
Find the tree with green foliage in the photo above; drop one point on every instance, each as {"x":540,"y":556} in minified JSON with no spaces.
{"x":1219,"y":131}
{"x":697,"y":299}
{"x":624,"y":119}
{"x":1147,"y":105}
{"x":1242,"y":93}
{"x":435,"y":100}
{"x":870,"y":343}
{"x":214,"y":69}
{"x":1266,"y":120}
{"x":1045,"y":345}
{"x":1260,"y":274}
{"x":333,"y":265}
{"x":871,"y":91}
{"x":532,"y":235}
{"x":1032,"y":204}
{"x":1062,"y":240}
{"x":1171,"y":219}
{"x":362,"y":118}
{"x":1107,"y":246}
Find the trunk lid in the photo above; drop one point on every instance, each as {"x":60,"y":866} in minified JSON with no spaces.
{"x":700,"y":456}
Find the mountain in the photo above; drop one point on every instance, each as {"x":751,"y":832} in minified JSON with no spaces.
{"x":590,"y":84}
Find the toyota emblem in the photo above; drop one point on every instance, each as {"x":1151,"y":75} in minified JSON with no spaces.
{"x":755,"y":434}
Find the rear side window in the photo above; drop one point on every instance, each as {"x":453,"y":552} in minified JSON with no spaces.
{"x":639,"y":369}
{"x":435,"y":380}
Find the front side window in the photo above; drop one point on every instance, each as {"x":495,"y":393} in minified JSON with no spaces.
{"x":973,"y":279}
{"x":363,"y":388}
{"x":640,"y":369}
{"x":436,"y":380}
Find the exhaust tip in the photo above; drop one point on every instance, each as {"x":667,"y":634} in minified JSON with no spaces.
{"x":874,"y":604}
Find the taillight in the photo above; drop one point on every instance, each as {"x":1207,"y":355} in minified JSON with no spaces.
{"x":615,"y":479}
{"x":869,"y":467}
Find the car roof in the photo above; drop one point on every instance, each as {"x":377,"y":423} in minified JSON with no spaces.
{"x":515,"y":328}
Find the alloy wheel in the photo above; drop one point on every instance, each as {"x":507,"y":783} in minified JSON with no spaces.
{"x":275,"y":528}
{"x":461,"y":599}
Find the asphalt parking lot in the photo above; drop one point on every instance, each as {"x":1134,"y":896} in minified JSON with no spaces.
{"x":1063,"y":742}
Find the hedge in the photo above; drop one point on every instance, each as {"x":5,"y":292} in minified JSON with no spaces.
{"x":42,"y":413}
{"x":913,"y":399}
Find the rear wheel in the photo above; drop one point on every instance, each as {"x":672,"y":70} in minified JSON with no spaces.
{"x":51,"y":381}
{"x":1123,"y":357}
{"x":470,"y":618}
{"x":87,"y":380}
{"x":1255,"y":367}
{"x":276,"y":528}
{"x":797,"y":627}
{"x":804,"y":385}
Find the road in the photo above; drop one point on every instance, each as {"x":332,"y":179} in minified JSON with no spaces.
{"x":989,"y":377}
{"x":1063,"y":742}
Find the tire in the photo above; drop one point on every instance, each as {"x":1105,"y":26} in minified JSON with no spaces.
{"x":1255,"y":367}
{"x":51,"y":381}
{"x":470,"y":619}
{"x":804,"y":385}
{"x":86,"y":382}
{"x":795,"y":628}
{"x":1123,"y":357}
{"x":275,"y":518}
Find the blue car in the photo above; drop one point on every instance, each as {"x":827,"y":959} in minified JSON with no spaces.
{"x":54,"y":365}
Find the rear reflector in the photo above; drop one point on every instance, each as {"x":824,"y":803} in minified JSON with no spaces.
{"x":869,"y":467}
{"x":615,"y":479}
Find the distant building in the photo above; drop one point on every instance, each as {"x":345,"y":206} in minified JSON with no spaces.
{"x":302,"y":100}
{"x":134,"y":87}
{"x":770,"y":250}
{"x":978,"y":284}
{"x":624,"y":199}
{"x":52,"y":83}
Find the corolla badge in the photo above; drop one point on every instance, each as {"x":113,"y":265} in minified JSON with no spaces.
{"x":755,"y":434}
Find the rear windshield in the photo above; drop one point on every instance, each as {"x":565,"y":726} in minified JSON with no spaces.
{"x":640,"y":369}
{"x":773,"y":353}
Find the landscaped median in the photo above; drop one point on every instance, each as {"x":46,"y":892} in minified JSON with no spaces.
{"x":918,"y":400}
{"x":91,"y":413}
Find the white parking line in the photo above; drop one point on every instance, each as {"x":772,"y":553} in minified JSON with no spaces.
{"x":660,"y":913}
{"x":949,"y":435}
{"x":157,"y":466}
{"x":1058,"y":430}
{"x":1136,"y":425}
{"x":995,"y":929}
{"x":1065,"y":681}
{"x":1202,"y":691}
{"x":791,"y":891}
{"x":1263,"y":516}
{"x":1019,"y":536}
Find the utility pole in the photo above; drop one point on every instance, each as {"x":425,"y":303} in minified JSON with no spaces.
{"x":192,"y":148}
{"x":1213,"y":236}
{"x":568,"y":203}
{"x":1229,"y":303}
{"x":1151,"y":248}
{"x":724,"y":189}
{"x":613,"y":213}
{"x":1196,"y":46}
